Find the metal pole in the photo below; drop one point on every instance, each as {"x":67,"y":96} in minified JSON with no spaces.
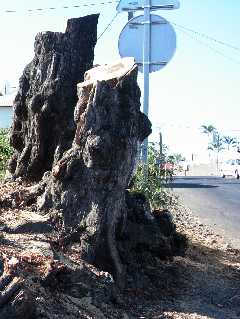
{"x":160,"y":148}
{"x":146,"y":68}
{"x":130,"y":15}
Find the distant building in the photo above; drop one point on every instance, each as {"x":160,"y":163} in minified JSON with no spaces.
{"x":6,"y":110}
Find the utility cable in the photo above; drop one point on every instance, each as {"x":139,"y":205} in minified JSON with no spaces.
{"x":64,"y":7}
{"x":207,"y":37}
{"x":108,"y":26}
{"x":210,"y":47}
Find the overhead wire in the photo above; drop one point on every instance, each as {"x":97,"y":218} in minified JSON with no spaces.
{"x":181,"y":28}
{"x":203,"y":35}
{"x":62,"y":7}
{"x":75,"y":6}
{"x":209,"y":46}
{"x":108,"y":26}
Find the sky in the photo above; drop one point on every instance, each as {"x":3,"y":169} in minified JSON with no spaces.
{"x":200,"y":85}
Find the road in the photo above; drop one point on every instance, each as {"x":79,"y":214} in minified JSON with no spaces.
{"x":216,"y":201}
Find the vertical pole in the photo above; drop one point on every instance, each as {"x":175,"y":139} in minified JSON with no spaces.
{"x":218,"y":142}
{"x":160,"y":154}
{"x":130,"y":15}
{"x":160,"y":147}
{"x":146,"y":69}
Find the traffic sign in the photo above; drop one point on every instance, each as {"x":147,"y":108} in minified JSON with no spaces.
{"x":162,"y":42}
{"x":151,"y":40}
{"x":135,"y":5}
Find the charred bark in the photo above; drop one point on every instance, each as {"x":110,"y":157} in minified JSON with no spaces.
{"x":43,"y":126}
{"x":89,"y":183}
{"x":91,"y":151}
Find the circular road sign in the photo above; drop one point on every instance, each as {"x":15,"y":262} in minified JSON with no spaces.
{"x":162,"y":43}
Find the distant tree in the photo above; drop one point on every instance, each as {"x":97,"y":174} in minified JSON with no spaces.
{"x":217,"y":145}
{"x":208,"y":129}
{"x":175,"y":158}
{"x":1,"y":93}
{"x":230,"y":141}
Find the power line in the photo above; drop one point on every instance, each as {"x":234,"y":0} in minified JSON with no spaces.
{"x":63,"y":7}
{"x":108,"y":26}
{"x":210,"y":47}
{"x":203,"y":35}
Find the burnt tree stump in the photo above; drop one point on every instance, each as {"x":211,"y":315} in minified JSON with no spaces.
{"x":89,"y":150}
{"x":89,"y":183}
{"x":43,"y":126}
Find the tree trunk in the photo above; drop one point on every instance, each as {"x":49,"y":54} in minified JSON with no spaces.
{"x":92,"y":160}
{"x":88,"y":184}
{"x":43,"y":126}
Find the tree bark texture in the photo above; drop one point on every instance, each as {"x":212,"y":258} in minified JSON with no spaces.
{"x":88,"y":184}
{"x":43,"y":126}
{"x":90,"y":149}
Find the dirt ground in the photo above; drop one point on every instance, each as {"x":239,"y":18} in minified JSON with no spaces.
{"x":204,"y":284}
{"x":209,"y":274}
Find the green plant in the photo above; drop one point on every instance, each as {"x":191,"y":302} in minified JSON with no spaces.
{"x":175,"y":158}
{"x":154,"y":185}
{"x":210,"y":130}
{"x":230,"y":141}
{"x":5,"y":151}
{"x":217,"y":145}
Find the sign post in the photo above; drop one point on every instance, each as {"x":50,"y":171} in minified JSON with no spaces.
{"x":146,"y":68}
{"x":150,"y":39}
{"x":130,"y":15}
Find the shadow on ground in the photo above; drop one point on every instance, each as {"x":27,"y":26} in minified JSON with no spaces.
{"x":204,"y":283}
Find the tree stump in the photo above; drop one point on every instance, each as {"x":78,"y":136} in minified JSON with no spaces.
{"x":90,"y":151}
{"x":88,"y":184}
{"x":43,"y":126}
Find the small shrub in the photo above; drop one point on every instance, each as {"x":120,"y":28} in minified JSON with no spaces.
{"x":153,"y":187}
{"x":5,"y":151}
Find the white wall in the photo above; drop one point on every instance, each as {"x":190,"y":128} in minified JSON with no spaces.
{"x":6,"y":114}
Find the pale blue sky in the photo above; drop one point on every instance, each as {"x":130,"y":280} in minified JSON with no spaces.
{"x":198,"y":86}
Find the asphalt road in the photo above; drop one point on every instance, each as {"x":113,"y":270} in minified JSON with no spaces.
{"x":216,"y":201}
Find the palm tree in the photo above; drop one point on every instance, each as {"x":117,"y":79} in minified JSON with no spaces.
{"x":208,"y":129}
{"x":230,"y":141}
{"x":217,"y":146}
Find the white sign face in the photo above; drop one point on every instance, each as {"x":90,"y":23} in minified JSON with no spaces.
{"x":162,"y":44}
{"x":134,"y":5}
